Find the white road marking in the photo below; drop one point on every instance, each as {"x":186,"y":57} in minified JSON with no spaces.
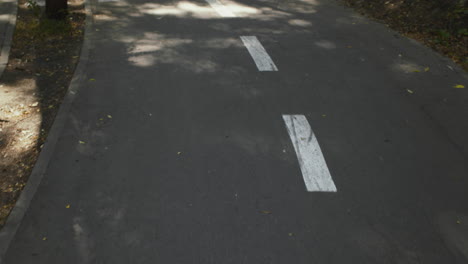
{"x":314,"y":169}
{"x":259,"y":54}
{"x":220,"y":8}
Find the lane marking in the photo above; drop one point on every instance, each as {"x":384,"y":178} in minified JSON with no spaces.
{"x":259,"y":54}
{"x":314,"y":169}
{"x":220,"y":8}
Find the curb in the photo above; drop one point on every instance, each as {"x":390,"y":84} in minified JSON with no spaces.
{"x":5,"y":50}
{"x":8,"y":232}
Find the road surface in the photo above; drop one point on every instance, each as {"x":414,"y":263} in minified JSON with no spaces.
{"x":219,"y":132}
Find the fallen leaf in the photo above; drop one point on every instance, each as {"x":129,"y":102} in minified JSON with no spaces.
{"x":109,"y":116}
{"x":44,"y":238}
{"x":409,"y":91}
{"x":426,"y":69}
{"x":290,"y":234}
{"x":324,"y":115}
{"x":67,"y":206}
{"x":458,"y":222}
{"x":81,"y":142}
{"x":265,"y":212}
{"x":92,"y":80}
{"x":178,"y":153}
{"x":416,"y":71}
{"x":459,"y":86}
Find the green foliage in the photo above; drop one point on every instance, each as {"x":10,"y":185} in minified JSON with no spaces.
{"x":456,"y":19}
{"x":39,"y":26}
{"x":443,"y":34}
{"x":463,"y":32}
{"x":460,"y":10}
{"x":34,"y":7}
{"x":44,"y":28}
{"x":51,"y":27}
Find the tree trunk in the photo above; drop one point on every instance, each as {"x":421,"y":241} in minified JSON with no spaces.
{"x":56,"y":9}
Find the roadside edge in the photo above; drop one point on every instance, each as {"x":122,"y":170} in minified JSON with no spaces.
{"x":8,"y":232}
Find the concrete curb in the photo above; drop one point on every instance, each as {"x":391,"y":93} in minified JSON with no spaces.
{"x":5,"y":49}
{"x":16,"y":216}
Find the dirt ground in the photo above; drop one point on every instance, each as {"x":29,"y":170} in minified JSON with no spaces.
{"x":439,"y":24}
{"x":42,"y":60}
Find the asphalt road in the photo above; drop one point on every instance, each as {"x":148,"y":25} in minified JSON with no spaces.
{"x":177,"y":148}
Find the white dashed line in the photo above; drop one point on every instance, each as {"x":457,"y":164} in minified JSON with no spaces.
{"x":316,"y":175}
{"x":220,"y":8}
{"x":259,"y":54}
